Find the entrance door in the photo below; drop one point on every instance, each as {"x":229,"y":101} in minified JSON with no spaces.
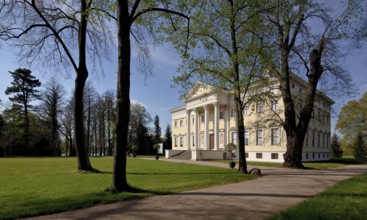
{"x":211,"y":141}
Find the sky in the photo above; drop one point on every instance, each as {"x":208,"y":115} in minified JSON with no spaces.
{"x":157,"y":92}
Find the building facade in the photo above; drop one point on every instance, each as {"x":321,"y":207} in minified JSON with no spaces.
{"x":206,"y":123}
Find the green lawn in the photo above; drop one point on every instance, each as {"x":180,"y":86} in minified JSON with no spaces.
{"x":34,"y":186}
{"x":345,"y":200}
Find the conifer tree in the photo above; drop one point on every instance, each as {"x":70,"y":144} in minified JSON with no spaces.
{"x":336,"y":150}
{"x":157,"y":130}
{"x":24,"y":89}
{"x":168,"y":137}
{"x":359,"y":147}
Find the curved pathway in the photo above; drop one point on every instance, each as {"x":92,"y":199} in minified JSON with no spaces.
{"x":261,"y":198}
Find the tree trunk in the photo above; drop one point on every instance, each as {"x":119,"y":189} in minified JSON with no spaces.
{"x":293,"y":155}
{"x":81,"y":151}
{"x":119,"y":181}
{"x":242,"y":166}
{"x":296,"y":134}
{"x":81,"y":78}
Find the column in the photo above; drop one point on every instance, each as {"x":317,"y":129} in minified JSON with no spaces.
{"x":228,"y":119}
{"x":196,"y":131}
{"x":225,"y":118}
{"x":216,"y":123}
{"x":206,"y":125}
{"x":188,"y":112}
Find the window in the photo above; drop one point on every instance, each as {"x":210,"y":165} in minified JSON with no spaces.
{"x":175,"y":142}
{"x":313,"y":139}
{"x":234,"y":137}
{"x":274,"y":105}
{"x":307,"y":139}
{"x":306,"y":155}
{"x":259,"y":137}
{"x":259,"y":155}
{"x":181,"y":123}
{"x":193,"y":141}
{"x":233,"y":113}
{"x":221,"y":115}
{"x":246,"y":155}
{"x":245,"y":110}
{"x":202,"y":140}
{"x":275,"y":136}
{"x":318,"y":140}
{"x":274,"y":156}
{"x":259,"y":107}
{"x":175,"y":123}
{"x":221,"y":138}
{"x":193,"y":120}
{"x":181,"y":141}
{"x":247,"y":136}
{"x":203,"y":118}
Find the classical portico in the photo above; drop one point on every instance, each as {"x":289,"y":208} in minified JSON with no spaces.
{"x":199,"y":130}
{"x":207,"y":121}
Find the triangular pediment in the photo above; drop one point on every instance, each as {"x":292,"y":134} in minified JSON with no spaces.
{"x":199,"y":89}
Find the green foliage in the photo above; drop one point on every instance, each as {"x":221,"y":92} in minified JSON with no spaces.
{"x":157,"y":130}
{"x":352,"y":118}
{"x":168,"y":138}
{"x":353,"y":22}
{"x":359,"y":147}
{"x":138,"y":129}
{"x":23,"y":87}
{"x":336,"y":150}
{"x":230,"y":147}
{"x":53,"y":186}
{"x":345,"y":200}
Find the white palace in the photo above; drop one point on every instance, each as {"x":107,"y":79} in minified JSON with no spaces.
{"x":206,"y":123}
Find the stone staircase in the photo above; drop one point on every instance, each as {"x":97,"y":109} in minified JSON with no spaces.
{"x":184,"y":155}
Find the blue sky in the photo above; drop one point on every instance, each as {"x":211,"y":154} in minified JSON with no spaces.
{"x":155,"y":92}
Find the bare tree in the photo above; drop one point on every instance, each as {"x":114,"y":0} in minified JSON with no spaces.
{"x":48,"y":32}
{"x":67,"y":128}
{"x":52,"y":100}
{"x":90,"y":97}
{"x":109,"y":99}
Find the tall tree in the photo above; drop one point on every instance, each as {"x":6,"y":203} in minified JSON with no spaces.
{"x":2,"y":131}
{"x":23,"y":87}
{"x":138,"y":127}
{"x":67,"y":128}
{"x":90,"y":97}
{"x":52,"y":101}
{"x":352,"y":118}
{"x":128,"y":13}
{"x":224,"y":53}
{"x":168,"y":137}
{"x":359,"y":146}
{"x":109,"y":99}
{"x":336,"y":150}
{"x":294,"y":49}
{"x":353,"y":22}
{"x":157,"y":130}
{"x":62,"y":33}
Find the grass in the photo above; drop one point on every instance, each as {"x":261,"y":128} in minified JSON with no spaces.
{"x":345,"y":200}
{"x":35,"y":186}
